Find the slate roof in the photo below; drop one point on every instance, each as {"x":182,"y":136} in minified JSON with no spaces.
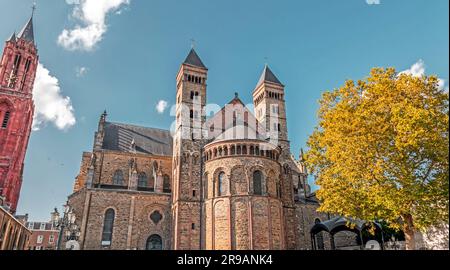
{"x":13,"y":37}
{"x":119,"y":137}
{"x":27,"y":32}
{"x":268,"y":76}
{"x":194,"y":60}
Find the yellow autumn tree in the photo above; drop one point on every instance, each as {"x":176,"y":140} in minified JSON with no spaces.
{"x":380,"y":151}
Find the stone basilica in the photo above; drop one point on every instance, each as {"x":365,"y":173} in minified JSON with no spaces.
{"x":227,"y":182}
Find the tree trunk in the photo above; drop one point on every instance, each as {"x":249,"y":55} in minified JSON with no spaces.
{"x":408,"y":229}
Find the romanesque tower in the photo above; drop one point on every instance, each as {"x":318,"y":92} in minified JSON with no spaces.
{"x":17,"y":73}
{"x":187,"y":147}
{"x":270,"y":110}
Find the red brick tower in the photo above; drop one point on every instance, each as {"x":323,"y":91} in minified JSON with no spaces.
{"x":17,"y":73}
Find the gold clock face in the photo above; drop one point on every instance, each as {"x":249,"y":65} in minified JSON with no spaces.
{"x":11,"y":79}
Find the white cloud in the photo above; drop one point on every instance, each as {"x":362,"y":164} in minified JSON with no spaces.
{"x":418,"y":69}
{"x":161,"y":106}
{"x":81,"y":71}
{"x":51,"y":105}
{"x":91,"y":15}
{"x":373,"y":2}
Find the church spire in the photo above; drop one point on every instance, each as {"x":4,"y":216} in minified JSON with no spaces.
{"x":12,"y":38}
{"x":27,"y":32}
{"x":194,"y":60}
{"x":268,"y":76}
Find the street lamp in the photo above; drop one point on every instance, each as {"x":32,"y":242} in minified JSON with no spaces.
{"x":66,"y":222}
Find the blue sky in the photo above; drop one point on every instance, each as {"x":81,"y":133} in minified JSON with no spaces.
{"x":311,"y":45}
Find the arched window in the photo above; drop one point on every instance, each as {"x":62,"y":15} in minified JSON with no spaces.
{"x":108,"y":226}
{"x":319,"y":237}
{"x":142,"y":180}
{"x":233,"y":150}
{"x":221,"y":185}
{"x":118,"y":178}
{"x":27,"y":65}
{"x":166,"y":184}
{"x":154,"y":242}
{"x":17,"y":61}
{"x":257,"y":183}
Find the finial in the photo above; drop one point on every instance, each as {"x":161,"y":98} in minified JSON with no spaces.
{"x":192,"y":43}
{"x":133,"y":145}
{"x":302,"y":155}
{"x":33,"y":8}
{"x":236,"y":94}
{"x":266,"y":61}
{"x":103,"y":117}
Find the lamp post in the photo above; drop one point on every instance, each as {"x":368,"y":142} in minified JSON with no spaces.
{"x":66,"y":225}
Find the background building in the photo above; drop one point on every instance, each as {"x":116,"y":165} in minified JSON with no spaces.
{"x":17,"y":73}
{"x":13,"y":233}
{"x":44,"y":235}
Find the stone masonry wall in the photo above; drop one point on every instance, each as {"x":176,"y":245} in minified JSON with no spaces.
{"x":239,"y":219}
{"x":132,"y":223}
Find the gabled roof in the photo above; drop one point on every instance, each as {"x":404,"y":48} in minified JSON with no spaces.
{"x":268,"y":76}
{"x":119,"y":137}
{"x":27,"y":32}
{"x":194,"y":60}
{"x":227,"y":130}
